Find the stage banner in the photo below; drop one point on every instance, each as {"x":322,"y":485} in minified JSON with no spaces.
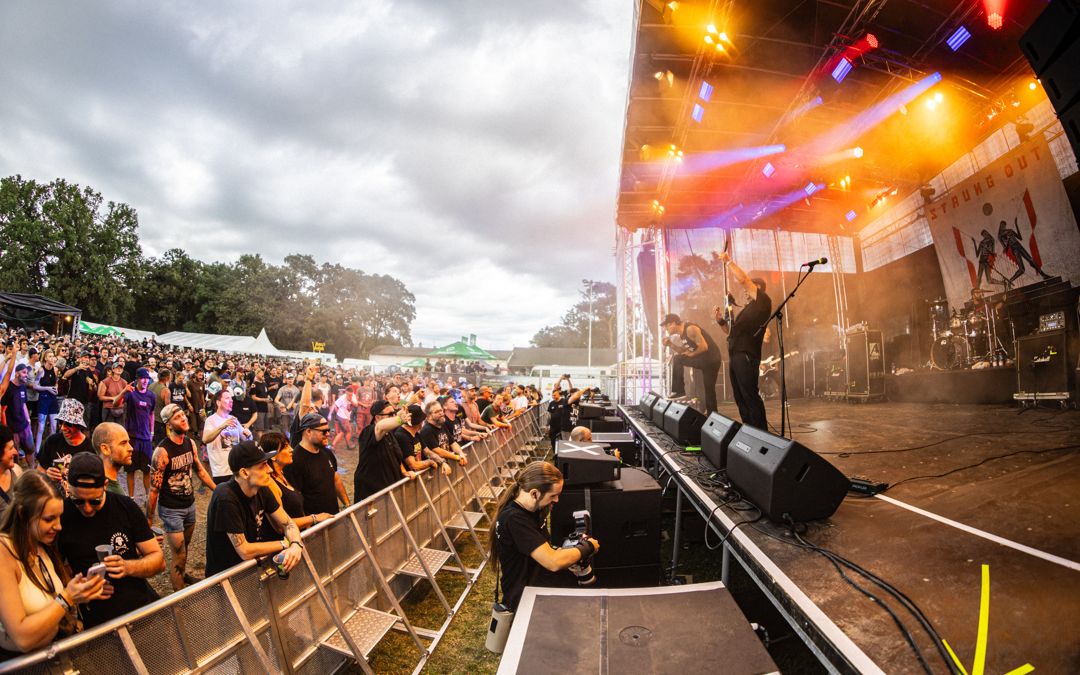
{"x":1008,"y":224}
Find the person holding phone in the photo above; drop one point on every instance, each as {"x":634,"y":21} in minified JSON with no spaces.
{"x":108,"y":534}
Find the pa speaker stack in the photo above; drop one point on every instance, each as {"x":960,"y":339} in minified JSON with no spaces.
{"x":683,"y":423}
{"x":784,"y":479}
{"x":585,"y":463}
{"x":1052,"y":47}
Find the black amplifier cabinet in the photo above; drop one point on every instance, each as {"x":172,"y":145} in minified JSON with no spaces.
{"x":865,"y":366}
{"x":625,"y":520}
{"x":658,"y":410}
{"x":585,"y":463}
{"x":629,"y":447}
{"x":608,"y":423}
{"x":1045,"y":370}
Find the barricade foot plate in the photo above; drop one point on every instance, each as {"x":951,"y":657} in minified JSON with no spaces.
{"x":456,"y":523}
{"x":434,"y":558}
{"x":490,"y":492}
{"x":366,"y":627}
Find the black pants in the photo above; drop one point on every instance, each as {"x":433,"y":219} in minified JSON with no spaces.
{"x":744,"y":385}
{"x":708,"y":364}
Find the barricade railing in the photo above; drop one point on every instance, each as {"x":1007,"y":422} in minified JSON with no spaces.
{"x":337,"y":605}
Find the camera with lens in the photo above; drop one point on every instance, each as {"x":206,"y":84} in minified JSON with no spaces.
{"x":578,"y":539}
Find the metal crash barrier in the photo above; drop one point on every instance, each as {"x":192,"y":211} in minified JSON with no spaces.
{"x":337,"y":604}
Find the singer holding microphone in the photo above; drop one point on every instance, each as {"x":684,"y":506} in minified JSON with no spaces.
{"x":745,"y":335}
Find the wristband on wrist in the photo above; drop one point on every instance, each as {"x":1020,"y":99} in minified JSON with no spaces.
{"x":296,"y":541}
{"x":284,"y":544}
{"x":63,"y":602}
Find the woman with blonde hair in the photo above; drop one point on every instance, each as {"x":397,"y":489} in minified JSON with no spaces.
{"x":38,"y":600}
{"x":519,"y":537}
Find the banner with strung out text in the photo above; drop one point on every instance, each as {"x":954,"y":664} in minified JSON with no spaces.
{"x":1009,"y":223}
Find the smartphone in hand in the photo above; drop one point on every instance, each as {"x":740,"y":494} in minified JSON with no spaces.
{"x":96,"y":570}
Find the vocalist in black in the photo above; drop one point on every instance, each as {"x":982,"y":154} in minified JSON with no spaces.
{"x":695,"y":348}
{"x":745,"y":335}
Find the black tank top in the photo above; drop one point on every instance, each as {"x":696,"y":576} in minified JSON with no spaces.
{"x":713,"y":354}
{"x":176,"y":393}
{"x":176,"y":488}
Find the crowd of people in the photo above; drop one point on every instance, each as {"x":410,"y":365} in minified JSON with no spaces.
{"x":78,"y":545}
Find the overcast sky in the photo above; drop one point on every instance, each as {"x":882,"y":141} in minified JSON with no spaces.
{"x":470,"y":149}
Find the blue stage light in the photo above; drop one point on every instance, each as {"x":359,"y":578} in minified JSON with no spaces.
{"x":705,"y":93}
{"x":768,"y":169}
{"x":841,"y":70}
{"x":851,"y":215}
{"x":698,"y":113}
{"x":958,"y":38}
{"x":810,"y":188}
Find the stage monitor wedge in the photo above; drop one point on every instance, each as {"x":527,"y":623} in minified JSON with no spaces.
{"x":716,"y":435}
{"x":683,"y":423}
{"x":647,"y":403}
{"x":658,"y":410}
{"x":785,"y":479}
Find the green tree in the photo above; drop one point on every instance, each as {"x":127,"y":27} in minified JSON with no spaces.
{"x":573,"y":329}
{"x":26,"y":238}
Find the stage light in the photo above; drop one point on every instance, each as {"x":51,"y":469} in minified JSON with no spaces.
{"x":707,"y":161}
{"x":857,"y":152}
{"x":938,"y":97}
{"x":841,"y":70}
{"x":994,"y":20}
{"x":698,"y":113}
{"x":1032,"y":86}
{"x":851,"y":215}
{"x":871,"y":40}
{"x":958,"y":38}
{"x":903,"y":110}
{"x":657,"y":206}
{"x":810,"y":188}
{"x":931,"y":103}
{"x":711,"y":28}
{"x":665,"y":76}
{"x":675,"y":153}
{"x":705,"y":93}
{"x":724,"y":37}
{"x":709,"y":40}
{"x":768,"y":169}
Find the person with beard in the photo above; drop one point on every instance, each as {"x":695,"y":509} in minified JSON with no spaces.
{"x":174,"y":460}
{"x":112,"y":444}
{"x":382,"y":460}
{"x":234,"y":519}
{"x":60,"y":447}
{"x":456,"y":425}
{"x":314,"y":469}
{"x":519,"y":537}
{"x":412,"y":451}
{"x":195,"y":388}
{"x":436,"y":441}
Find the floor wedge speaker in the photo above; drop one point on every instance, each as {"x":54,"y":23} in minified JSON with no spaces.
{"x":784,"y":479}
{"x":658,"y":410}
{"x":716,"y":435}
{"x":683,"y":423}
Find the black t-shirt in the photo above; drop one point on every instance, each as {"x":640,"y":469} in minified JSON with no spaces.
{"x":432,"y":437}
{"x":713,"y":350}
{"x":517,"y":533}
{"x":259,"y":389}
{"x":453,"y":428}
{"x":122,"y":523}
{"x":15,"y":402}
{"x":231,"y":512}
{"x":555,"y":413}
{"x":312,"y":474}
{"x":243,"y":409}
{"x":379,"y":464}
{"x":746,"y":332}
{"x":55,"y":448}
{"x":80,"y":383}
{"x":408,"y":444}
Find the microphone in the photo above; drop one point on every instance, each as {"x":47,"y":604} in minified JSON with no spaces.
{"x":819,"y":261}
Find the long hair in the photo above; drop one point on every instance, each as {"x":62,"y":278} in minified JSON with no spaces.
{"x":539,"y":475}
{"x":28,"y":498}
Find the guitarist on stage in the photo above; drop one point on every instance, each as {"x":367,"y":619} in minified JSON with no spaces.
{"x":745,"y":335}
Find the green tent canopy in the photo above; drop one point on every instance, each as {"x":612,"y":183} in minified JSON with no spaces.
{"x":415,"y":363}
{"x":462,"y":350}
{"x":98,"y":329}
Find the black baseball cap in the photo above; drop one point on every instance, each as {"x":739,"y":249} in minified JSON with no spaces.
{"x":86,"y":470}
{"x":247,"y":454}
{"x":378,"y":406}
{"x":312,"y":421}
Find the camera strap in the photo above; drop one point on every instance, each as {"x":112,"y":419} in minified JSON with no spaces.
{"x":588,"y":501}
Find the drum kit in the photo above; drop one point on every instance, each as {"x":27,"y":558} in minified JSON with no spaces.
{"x":966,"y":337}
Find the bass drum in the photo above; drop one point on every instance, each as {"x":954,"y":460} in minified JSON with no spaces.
{"x":949,"y":352}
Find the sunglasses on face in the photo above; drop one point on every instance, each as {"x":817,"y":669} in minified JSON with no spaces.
{"x":87,"y":502}
{"x":324,"y":430}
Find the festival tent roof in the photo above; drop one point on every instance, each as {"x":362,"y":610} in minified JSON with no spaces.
{"x":461,"y":350}
{"x":223,"y":343}
{"x":38,"y":302}
{"x":128,"y":333}
{"x":415,"y":363}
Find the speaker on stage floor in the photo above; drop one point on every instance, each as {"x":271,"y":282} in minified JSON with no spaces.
{"x":647,"y":403}
{"x":658,"y":410}
{"x":1043,"y":365}
{"x":784,"y":479}
{"x":716,"y":435}
{"x":683,"y":423}
{"x":585,"y":463}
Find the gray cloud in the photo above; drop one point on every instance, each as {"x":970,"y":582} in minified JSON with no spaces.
{"x":428,"y":140}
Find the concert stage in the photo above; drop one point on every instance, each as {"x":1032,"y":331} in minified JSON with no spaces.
{"x":957,"y":524}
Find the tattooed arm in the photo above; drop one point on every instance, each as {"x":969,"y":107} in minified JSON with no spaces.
{"x":158,"y":462}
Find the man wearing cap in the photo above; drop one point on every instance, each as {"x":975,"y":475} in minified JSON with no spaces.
{"x":382,"y":461}
{"x":96,"y":522}
{"x":314,"y":469}
{"x":17,"y":414}
{"x":139,"y":405}
{"x":412,"y":452}
{"x":59,"y":448}
{"x":237,"y":511}
{"x":174,"y":460}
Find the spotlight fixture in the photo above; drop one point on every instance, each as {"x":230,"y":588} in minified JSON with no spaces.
{"x":675,"y":153}
{"x":768,"y":169}
{"x":663,"y":77}
{"x":994,"y":20}
{"x":1032,"y":86}
{"x":958,"y":38}
{"x":857,"y":152}
{"x":698,"y":113}
{"x":851,"y":215}
{"x":810,"y":188}
{"x":657,"y":207}
{"x":705,"y":92}
{"x":841,"y":70}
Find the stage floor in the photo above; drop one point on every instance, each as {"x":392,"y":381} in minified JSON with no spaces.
{"x":955,"y":508}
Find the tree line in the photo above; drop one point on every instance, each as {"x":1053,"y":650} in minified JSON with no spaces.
{"x":64,"y":241}
{"x":573,"y":329}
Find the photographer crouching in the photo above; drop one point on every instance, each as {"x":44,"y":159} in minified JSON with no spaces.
{"x":519,"y":543}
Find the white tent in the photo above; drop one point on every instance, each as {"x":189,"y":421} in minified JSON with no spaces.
{"x":240,"y":344}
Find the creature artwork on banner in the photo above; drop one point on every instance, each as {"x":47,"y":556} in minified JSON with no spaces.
{"x":1008,"y":225}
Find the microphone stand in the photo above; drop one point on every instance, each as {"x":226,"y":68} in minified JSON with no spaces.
{"x":779,"y":316}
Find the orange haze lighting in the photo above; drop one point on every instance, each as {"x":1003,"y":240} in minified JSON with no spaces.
{"x":1032,"y":86}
